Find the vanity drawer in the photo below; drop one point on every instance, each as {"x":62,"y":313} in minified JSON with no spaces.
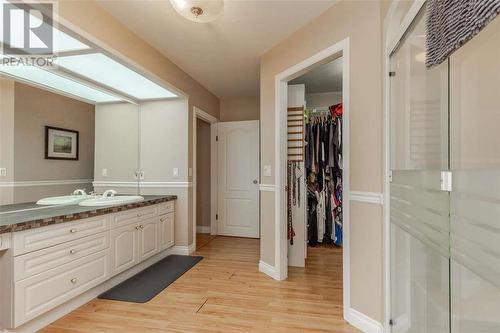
{"x":36,"y":262}
{"x":165,"y":208}
{"x":43,"y":237}
{"x":133,"y":216}
{"x":42,"y":292}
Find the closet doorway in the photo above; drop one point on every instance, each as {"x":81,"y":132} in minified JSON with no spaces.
{"x":314,"y":96}
{"x":314,"y":174}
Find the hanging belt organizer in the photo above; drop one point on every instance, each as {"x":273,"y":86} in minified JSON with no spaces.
{"x":295,"y":122}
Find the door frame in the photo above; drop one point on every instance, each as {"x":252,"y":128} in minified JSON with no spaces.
{"x":202,"y":115}
{"x":281,"y":82}
{"x":395,"y":30}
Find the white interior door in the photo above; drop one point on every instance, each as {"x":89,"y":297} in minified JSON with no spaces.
{"x":238,"y":198}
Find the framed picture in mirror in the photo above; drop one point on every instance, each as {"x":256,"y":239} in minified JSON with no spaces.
{"x":61,"y":144}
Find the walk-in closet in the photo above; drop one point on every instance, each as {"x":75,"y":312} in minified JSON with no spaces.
{"x":314,"y":168}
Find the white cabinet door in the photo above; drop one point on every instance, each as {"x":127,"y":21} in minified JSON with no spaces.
{"x":166,"y":235}
{"x":124,"y":248}
{"x":238,"y":156}
{"x":148,"y":238}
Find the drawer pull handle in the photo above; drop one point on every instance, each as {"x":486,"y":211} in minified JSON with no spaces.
{"x":72,"y":231}
{"x":74,"y":280}
{"x":72,"y":251}
{"x":137,"y":228}
{"x":141,"y":226}
{"x":162,"y":219}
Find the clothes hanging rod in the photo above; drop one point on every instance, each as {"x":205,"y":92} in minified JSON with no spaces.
{"x":319,"y":110}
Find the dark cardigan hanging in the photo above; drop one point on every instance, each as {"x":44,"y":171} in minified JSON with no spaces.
{"x":451,"y":23}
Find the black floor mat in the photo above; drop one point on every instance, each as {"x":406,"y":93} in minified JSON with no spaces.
{"x":145,"y":285}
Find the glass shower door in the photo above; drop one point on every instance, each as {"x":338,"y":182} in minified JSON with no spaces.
{"x":475,"y":199}
{"x":419,"y":208}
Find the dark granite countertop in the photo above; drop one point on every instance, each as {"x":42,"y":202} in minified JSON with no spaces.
{"x":32,"y":216}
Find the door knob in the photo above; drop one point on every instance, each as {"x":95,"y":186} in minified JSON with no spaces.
{"x":255,"y":181}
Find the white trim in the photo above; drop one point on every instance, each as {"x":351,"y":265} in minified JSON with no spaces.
{"x":367,"y":197}
{"x":30,"y":183}
{"x":390,"y":46}
{"x":214,"y":181}
{"x":281,"y":262}
{"x":165,"y":184}
{"x":203,"y":229}
{"x":144,"y":184}
{"x":363,"y":322}
{"x":405,"y":24}
{"x":200,"y":114}
{"x":60,"y":311}
{"x":268,"y":270}
{"x":183,"y":249}
{"x":267,"y":187}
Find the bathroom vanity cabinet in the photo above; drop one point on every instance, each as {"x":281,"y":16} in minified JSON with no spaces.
{"x":47,"y":266}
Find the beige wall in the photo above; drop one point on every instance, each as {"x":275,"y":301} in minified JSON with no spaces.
{"x":323,"y":99}
{"x":202,"y":173}
{"x":240,"y":109}
{"x":361,"y":22}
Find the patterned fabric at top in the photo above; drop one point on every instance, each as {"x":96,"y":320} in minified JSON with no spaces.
{"x":451,"y":23}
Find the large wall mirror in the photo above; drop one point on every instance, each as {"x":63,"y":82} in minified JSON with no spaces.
{"x":73,"y":127}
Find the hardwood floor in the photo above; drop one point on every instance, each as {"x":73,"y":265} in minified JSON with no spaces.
{"x":225,"y":292}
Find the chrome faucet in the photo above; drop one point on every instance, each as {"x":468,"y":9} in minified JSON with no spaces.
{"x":79,"y":192}
{"x":109,"y":193}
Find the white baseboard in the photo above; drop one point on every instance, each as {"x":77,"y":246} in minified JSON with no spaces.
{"x":65,"y":308}
{"x":363,"y":322}
{"x":203,"y":229}
{"x":268,"y":270}
{"x":184,"y":250}
{"x":191,"y":248}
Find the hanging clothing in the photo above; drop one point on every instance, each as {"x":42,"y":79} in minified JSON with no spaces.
{"x":312,"y":218}
{"x":321,"y":215}
{"x":291,"y":232}
{"x":323,"y":163}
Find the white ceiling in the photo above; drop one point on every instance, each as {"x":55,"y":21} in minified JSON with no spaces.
{"x":222,"y":55}
{"x":325,"y":78}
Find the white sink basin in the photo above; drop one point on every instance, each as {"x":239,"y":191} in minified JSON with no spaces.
{"x":109,"y":201}
{"x":63,"y":200}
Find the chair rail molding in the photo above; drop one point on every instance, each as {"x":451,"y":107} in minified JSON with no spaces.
{"x":144,"y":184}
{"x":376,"y":198}
{"x":267,"y":187}
{"x":30,"y":183}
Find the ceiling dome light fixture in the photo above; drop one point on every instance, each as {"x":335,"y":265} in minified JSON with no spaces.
{"x":200,"y":11}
